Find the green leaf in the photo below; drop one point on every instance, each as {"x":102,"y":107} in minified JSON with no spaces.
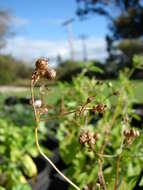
{"x":2,"y":188}
{"x":28,"y":166}
{"x":21,"y":187}
{"x":96,"y":69}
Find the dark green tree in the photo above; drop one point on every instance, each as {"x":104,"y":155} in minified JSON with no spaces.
{"x":125,"y":24}
{"x":5,"y":21}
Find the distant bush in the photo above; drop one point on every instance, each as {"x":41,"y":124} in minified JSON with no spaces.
{"x":12,"y":70}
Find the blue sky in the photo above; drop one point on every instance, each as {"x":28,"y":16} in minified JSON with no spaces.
{"x":39,"y":21}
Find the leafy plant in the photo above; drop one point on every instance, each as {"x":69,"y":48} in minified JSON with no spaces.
{"x":96,"y":138}
{"x":17,"y":147}
{"x":97,"y":141}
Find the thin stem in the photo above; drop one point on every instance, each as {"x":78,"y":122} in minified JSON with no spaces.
{"x":38,"y":146}
{"x":100,"y":175}
{"x":62,"y":115}
{"x":107,"y":133}
{"x":117,"y":172}
{"x":117,"y":167}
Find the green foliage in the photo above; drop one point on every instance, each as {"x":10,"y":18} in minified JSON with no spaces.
{"x":82,"y":161}
{"x":91,"y":66}
{"x":1,"y":188}
{"x":138,"y":61}
{"x":131,"y":46}
{"x":11,"y":70}
{"x":68,"y":69}
{"x":5,"y":22}
{"x":17,"y":147}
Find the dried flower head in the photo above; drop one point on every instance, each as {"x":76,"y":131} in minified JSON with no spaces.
{"x":50,"y":74}
{"x":43,"y":110}
{"x":89,"y":99}
{"x":100,"y":108}
{"x":83,"y":138}
{"x":131,"y":135}
{"x":42,"y":66}
{"x":87,"y":137}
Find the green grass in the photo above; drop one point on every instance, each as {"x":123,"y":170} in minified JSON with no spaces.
{"x":54,"y":93}
{"x":138,"y":90}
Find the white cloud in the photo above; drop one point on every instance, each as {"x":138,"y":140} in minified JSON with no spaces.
{"x":20,"y":22}
{"x":52,"y":21}
{"x":29,"y":49}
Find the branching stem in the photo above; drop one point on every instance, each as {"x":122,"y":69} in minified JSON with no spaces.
{"x":37,"y":118}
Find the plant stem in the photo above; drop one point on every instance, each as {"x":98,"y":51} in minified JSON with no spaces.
{"x":100,"y":175}
{"x":117,"y":171}
{"x":37,"y":142}
{"x":101,"y":157}
{"x":117,"y":166}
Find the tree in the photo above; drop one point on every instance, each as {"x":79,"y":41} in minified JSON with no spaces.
{"x":126,"y":25}
{"x":5,"y":19}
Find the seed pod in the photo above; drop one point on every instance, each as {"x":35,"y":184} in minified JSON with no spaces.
{"x":137,"y":133}
{"x":43,"y":110}
{"x":125,"y":133}
{"x":89,"y":99}
{"x":42,"y":64}
{"x":91,"y":142}
{"x":83,"y":138}
{"x":50,"y":74}
{"x":133,"y":132}
{"x":101,"y":108}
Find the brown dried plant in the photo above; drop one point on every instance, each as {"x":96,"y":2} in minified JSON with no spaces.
{"x":43,"y":70}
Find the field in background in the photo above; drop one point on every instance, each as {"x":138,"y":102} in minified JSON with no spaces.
{"x":54,"y":92}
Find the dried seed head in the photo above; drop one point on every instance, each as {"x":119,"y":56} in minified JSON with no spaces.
{"x":43,"y":110}
{"x":50,"y":74}
{"x":42,"y":64}
{"x":91,"y":142}
{"x":132,"y":132}
{"x":89,"y":99}
{"x":137,"y":133}
{"x":126,"y":133}
{"x":83,"y":138}
{"x":87,"y":137}
{"x":100,"y":108}
{"x":131,"y":135}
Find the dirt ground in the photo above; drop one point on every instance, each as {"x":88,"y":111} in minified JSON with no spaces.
{"x":4,"y":89}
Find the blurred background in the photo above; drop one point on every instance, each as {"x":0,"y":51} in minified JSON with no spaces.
{"x":72,"y":34}
{"x":107,"y":33}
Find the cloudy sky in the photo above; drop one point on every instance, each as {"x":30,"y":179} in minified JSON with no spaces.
{"x":39,"y":31}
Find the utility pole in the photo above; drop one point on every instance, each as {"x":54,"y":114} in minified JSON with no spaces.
{"x":84,"y":49}
{"x":68,"y":23}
